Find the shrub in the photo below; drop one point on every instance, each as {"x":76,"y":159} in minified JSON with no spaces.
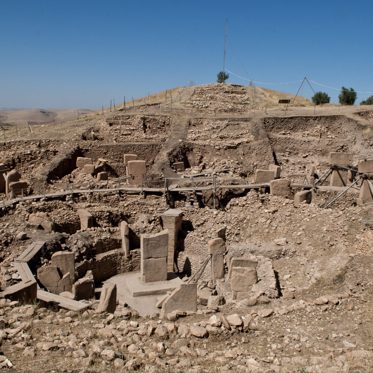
{"x":347,"y":96}
{"x":368,"y":101}
{"x":320,"y":98}
{"x":222,"y":77}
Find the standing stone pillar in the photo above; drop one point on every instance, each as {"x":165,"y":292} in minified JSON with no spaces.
{"x":124,"y":235}
{"x":10,"y":177}
{"x":217,"y":250}
{"x":171,"y":220}
{"x":339,"y":178}
{"x":3,"y":169}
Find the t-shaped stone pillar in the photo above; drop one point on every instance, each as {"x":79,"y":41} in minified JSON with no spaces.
{"x":171,"y":220}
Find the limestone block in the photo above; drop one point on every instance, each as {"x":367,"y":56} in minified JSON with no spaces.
{"x":10,"y":177}
{"x":366,"y":166}
{"x":49,"y":277}
{"x":108,"y":299}
{"x":280,"y":187}
{"x":88,"y":169}
{"x":182,"y":299}
{"x":263,"y":176}
{"x":82,"y":161}
{"x":65,"y":262}
{"x":129,"y":157}
{"x":86,"y":219}
{"x":172,"y":221}
{"x":18,"y":188}
{"x":3,"y":169}
{"x":242,"y":262}
{"x":124,"y":234}
{"x":102,"y":176}
{"x":24,"y":292}
{"x":136,"y":171}
{"x":154,"y":245}
{"x":154,"y":269}
{"x":179,"y":166}
{"x":339,"y":178}
{"x":243,"y":278}
{"x":365,"y":195}
{"x":65,"y":284}
{"x":341,"y":159}
{"x":303,"y":196}
{"x":84,"y":288}
{"x":276,"y":170}
{"x":216,"y":246}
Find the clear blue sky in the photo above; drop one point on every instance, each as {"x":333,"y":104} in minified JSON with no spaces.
{"x":82,"y":53}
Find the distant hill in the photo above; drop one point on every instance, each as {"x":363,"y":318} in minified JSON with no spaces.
{"x":39,"y":116}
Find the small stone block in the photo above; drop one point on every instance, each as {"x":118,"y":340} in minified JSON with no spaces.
{"x":154,"y":269}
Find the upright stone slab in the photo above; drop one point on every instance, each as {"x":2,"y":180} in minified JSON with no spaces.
{"x":304,"y":196}
{"x":108,"y":299}
{"x":129,"y":157}
{"x":339,"y":178}
{"x":136,"y":171}
{"x":276,"y":170}
{"x":172,"y":220}
{"x":124,"y":235}
{"x":280,"y":187}
{"x":217,"y":251}
{"x":86,"y":219}
{"x":182,"y":299}
{"x":82,"y":161}
{"x":65,"y":262}
{"x":154,"y":249}
{"x":18,"y":188}
{"x":10,"y":177}
{"x":263,"y":176}
{"x":3,"y":169}
{"x":49,"y":277}
{"x":242,"y":274}
{"x":340,"y":159}
{"x":84,"y":288}
{"x":366,"y":195}
{"x":366,"y":167}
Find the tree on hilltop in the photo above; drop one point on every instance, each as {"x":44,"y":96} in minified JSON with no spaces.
{"x":222,"y":77}
{"x":320,"y":98}
{"x":368,"y":101}
{"x":347,"y":96}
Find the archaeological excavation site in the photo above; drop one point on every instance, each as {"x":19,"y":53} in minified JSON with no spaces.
{"x":202,"y":229}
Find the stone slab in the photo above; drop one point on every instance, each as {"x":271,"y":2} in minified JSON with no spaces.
{"x":263,"y":176}
{"x":129,"y":157}
{"x":182,"y":299}
{"x":82,"y":161}
{"x":304,"y":196}
{"x":280,"y":188}
{"x":108,"y":298}
{"x":65,"y":262}
{"x":341,"y":159}
{"x":365,"y":166}
{"x":154,"y":269}
{"x":154,"y":245}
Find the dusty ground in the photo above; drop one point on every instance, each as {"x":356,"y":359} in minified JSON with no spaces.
{"x":322,"y":322}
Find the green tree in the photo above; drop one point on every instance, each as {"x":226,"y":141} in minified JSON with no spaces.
{"x":347,"y":96}
{"x":368,"y":101}
{"x":222,"y":77}
{"x":320,"y":98}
